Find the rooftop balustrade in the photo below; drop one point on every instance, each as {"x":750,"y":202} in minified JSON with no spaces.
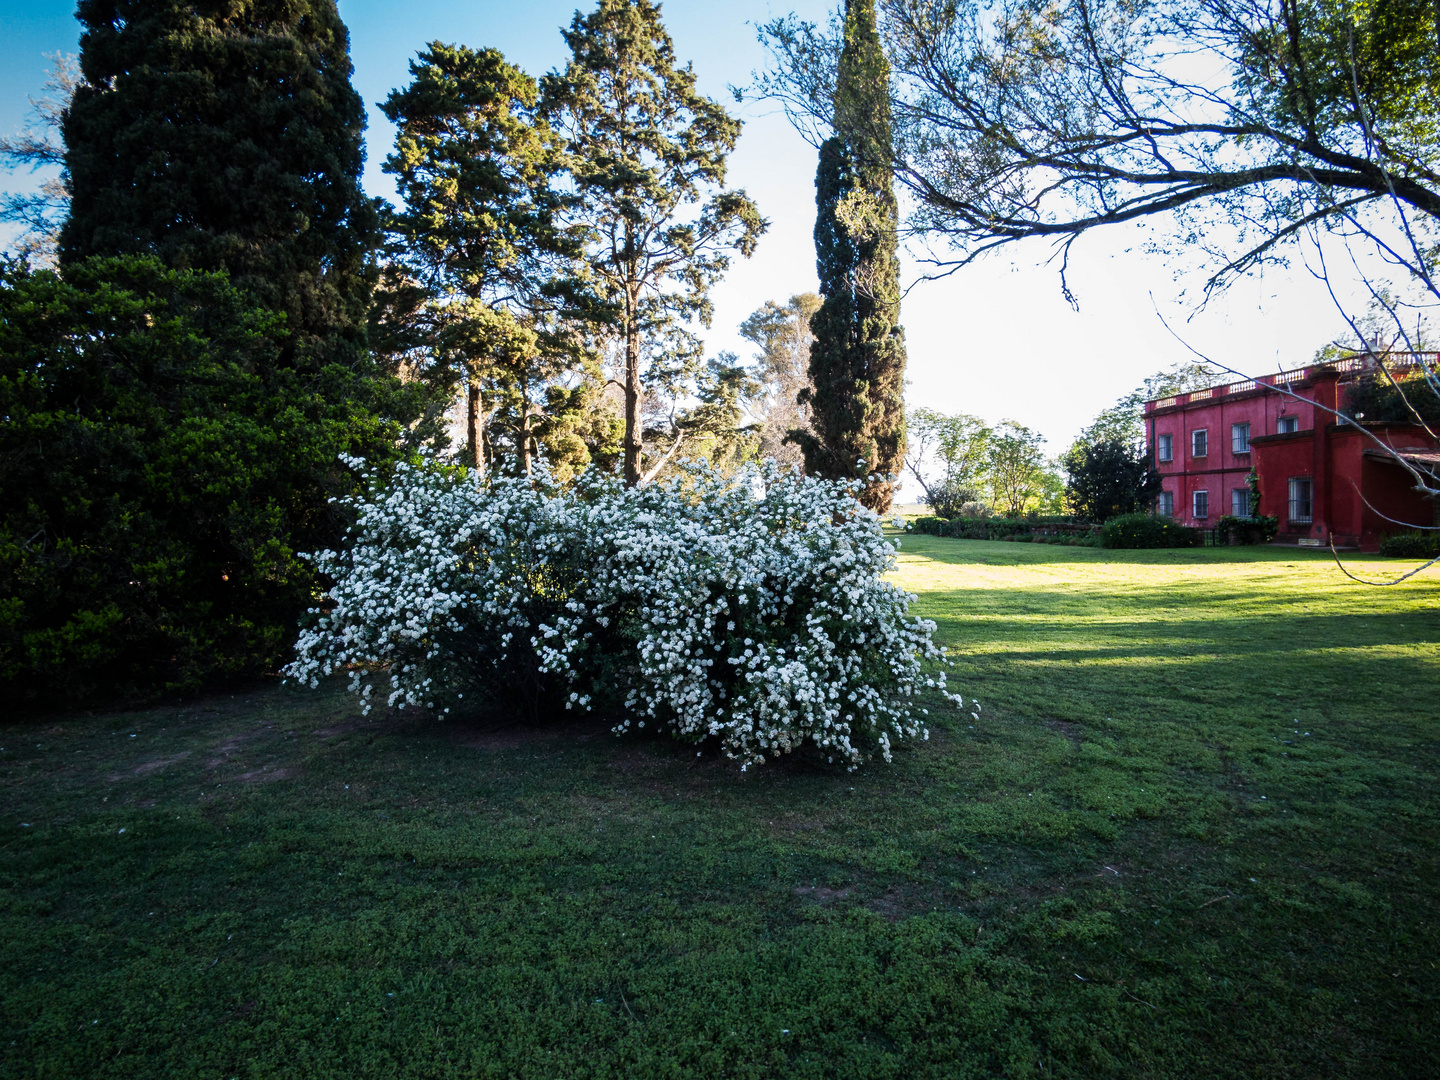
{"x":1345,"y":365}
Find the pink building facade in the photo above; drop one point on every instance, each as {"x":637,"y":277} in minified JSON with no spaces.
{"x":1323,"y":479}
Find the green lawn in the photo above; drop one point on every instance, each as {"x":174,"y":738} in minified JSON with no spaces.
{"x":1193,"y":833}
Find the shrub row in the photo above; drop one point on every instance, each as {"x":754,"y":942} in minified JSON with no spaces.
{"x":1002,"y":528}
{"x":1246,"y":530}
{"x":1411,"y":545}
{"x":1148,"y":531}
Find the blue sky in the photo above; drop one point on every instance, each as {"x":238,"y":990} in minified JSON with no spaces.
{"x":995,"y":339}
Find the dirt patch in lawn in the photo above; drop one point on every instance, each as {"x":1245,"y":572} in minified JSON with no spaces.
{"x":266,"y":775}
{"x":145,"y":768}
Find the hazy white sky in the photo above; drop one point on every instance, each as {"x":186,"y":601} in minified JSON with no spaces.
{"x":995,"y":339}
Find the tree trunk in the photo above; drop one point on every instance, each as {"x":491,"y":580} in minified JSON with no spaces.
{"x":474,"y":450}
{"x":634,"y":434}
{"x":525,"y":435}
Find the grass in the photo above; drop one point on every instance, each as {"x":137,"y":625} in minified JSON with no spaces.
{"x":1193,"y":833}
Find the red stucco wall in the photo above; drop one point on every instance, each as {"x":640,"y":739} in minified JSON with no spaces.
{"x":1331,"y":455}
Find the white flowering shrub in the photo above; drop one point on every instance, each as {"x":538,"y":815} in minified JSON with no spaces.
{"x":749,"y":609}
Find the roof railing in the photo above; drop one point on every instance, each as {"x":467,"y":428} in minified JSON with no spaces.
{"x":1345,"y":364}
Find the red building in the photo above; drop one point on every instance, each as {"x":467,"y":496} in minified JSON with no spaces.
{"x":1320,"y":477}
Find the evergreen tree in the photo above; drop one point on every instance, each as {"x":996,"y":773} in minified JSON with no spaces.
{"x":1108,"y":477}
{"x":162,"y":468}
{"x":474,"y":165}
{"x":642,"y":147}
{"x":857,"y":363}
{"x":226,"y":136}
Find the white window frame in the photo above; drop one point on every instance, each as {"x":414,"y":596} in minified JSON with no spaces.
{"x":1287,"y":425}
{"x":1240,"y":438}
{"x":1200,"y":442}
{"x":1297,"y":504}
{"x":1165,"y":505}
{"x":1165,"y":447}
{"x":1200,"y":505}
{"x":1240,"y":502}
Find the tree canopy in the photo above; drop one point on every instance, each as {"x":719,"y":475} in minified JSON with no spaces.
{"x":1029,"y":119}
{"x":641,"y":147}
{"x":227,"y":136}
{"x":476,"y":165}
{"x":163,"y":467}
{"x":1108,"y":477}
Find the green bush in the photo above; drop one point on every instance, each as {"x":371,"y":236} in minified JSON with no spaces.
{"x":1411,"y":545}
{"x":1003,"y":528}
{"x":1147,"y":531}
{"x":159,"y":471}
{"x":1259,"y":529}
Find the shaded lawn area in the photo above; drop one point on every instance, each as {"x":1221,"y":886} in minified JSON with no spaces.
{"x":1193,"y":832}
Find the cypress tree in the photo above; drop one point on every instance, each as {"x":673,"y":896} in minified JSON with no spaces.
{"x":857,"y":362}
{"x":225,"y":135}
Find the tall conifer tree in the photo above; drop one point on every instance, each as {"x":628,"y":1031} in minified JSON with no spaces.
{"x":643,"y":147}
{"x":225,"y":135}
{"x":473,"y":168}
{"x":857,"y":363}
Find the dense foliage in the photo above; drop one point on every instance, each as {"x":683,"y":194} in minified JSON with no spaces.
{"x":1109,"y":477}
{"x":477,"y":231}
{"x":969,"y":468}
{"x":227,"y":136}
{"x":1003,"y":528}
{"x":950,"y":499}
{"x":1259,"y":529}
{"x":159,"y":467}
{"x":645,"y":155}
{"x":1409,"y":398}
{"x":857,"y":363}
{"x":696,"y":605}
{"x":1147,"y":531}
{"x":1411,"y":545}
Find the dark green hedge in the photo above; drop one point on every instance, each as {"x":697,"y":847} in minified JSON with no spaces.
{"x":1000,"y":528}
{"x":160,"y":470}
{"x":1411,"y":545}
{"x":1246,"y":530}
{"x":1148,"y":531}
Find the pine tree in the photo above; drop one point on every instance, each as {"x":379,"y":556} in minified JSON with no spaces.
{"x":857,"y":363}
{"x":473,"y":165}
{"x":643,"y":146}
{"x":227,"y":136}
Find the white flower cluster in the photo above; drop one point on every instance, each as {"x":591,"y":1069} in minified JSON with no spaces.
{"x":749,"y":609}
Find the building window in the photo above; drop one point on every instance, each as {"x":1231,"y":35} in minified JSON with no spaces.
{"x":1301,"y":501}
{"x":1164,"y":448}
{"x":1165,"y":505}
{"x":1240,"y":438}
{"x":1199,"y":443}
{"x":1240,"y":502}
{"x":1286,"y":424}
{"x":1201,"y":503}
